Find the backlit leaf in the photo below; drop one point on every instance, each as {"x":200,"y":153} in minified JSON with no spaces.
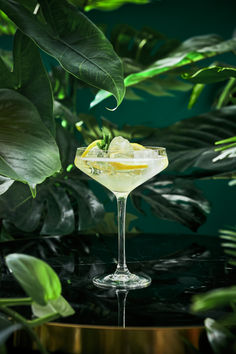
{"x":36,"y":277}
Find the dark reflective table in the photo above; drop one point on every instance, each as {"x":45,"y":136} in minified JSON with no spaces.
{"x":180,"y":266}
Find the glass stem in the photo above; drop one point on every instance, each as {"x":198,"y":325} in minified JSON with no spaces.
{"x":121,"y":297}
{"x":121,"y":209}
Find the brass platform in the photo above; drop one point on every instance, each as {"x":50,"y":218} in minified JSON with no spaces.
{"x":75,"y":339}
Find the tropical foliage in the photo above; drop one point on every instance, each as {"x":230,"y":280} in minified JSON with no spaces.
{"x":43,"y":288}
{"x":48,"y":127}
{"x":40,"y":127}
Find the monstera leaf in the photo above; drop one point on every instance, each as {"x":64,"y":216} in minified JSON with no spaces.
{"x":68,"y":35}
{"x":190,"y":143}
{"x":173,"y":199}
{"x":60,"y":207}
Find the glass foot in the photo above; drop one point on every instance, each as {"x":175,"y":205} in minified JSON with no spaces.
{"x":122,"y":281}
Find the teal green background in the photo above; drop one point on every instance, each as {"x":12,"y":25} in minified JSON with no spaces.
{"x":177,"y":19}
{"x":182,"y":20}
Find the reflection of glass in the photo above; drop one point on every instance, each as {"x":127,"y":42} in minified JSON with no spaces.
{"x":121,"y":298}
{"x":121,"y":175}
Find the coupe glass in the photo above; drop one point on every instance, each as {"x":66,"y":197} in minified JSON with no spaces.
{"x":121,"y":175}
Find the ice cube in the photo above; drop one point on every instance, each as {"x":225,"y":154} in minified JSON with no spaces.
{"x":96,"y":152}
{"x":145,"y":154}
{"x":120,"y":147}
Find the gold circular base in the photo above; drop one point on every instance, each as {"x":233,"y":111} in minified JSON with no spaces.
{"x":75,"y":339}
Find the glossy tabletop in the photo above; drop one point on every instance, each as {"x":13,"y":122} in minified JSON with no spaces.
{"x":180,"y":266}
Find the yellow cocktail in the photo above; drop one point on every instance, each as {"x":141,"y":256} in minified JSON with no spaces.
{"x":121,"y":168}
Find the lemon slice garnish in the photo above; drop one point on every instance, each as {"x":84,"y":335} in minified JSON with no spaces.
{"x":124,"y":166}
{"x":89,"y":147}
{"x":137,"y":146}
{"x":117,"y":165}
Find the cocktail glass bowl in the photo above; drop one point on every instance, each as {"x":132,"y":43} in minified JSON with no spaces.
{"x":121,"y":174}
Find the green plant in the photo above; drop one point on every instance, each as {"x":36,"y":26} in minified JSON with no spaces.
{"x":46,"y":136}
{"x":30,"y":137}
{"x":221,"y":332}
{"x":43,"y":287}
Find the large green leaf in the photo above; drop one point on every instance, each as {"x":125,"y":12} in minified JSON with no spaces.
{"x":211,"y":74}
{"x":31,"y":78}
{"x":173,"y":199}
{"x":190,"y":143}
{"x":28,"y":151}
{"x":69,"y":36}
{"x":190,"y":51}
{"x":36,"y":277}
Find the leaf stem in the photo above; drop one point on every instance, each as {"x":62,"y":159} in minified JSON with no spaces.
{"x":225,"y":147}
{"x":16,"y":301}
{"x":20,"y":319}
{"x":225,"y":93}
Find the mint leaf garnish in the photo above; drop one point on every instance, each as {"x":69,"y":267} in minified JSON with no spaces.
{"x":106,"y":140}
